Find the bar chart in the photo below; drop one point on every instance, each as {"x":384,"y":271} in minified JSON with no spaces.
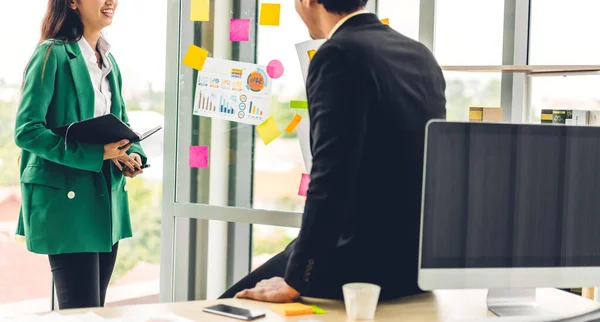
{"x":204,"y":102}
{"x":225,"y":106}
{"x":254,"y":111}
{"x":207,"y":103}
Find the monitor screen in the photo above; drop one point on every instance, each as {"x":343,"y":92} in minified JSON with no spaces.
{"x":511,"y":195}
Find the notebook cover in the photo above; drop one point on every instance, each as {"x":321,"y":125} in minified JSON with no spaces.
{"x":292,"y":309}
{"x":100,"y":130}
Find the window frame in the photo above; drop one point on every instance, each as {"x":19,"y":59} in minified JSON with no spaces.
{"x":185,"y":226}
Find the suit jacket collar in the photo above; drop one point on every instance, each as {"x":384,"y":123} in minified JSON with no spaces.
{"x":82,"y":81}
{"x":358,"y":21}
{"x":115,"y":88}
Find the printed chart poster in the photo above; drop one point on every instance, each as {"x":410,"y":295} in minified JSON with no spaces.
{"x":303,"y":131}
{"x":305,"y":52}
{"x":233,"y":91}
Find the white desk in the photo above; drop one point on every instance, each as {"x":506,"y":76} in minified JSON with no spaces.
{"x":436,"y":306}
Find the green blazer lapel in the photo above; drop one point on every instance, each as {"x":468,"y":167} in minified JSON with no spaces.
{"x":83,"y":82}
{"x":114,"y":89}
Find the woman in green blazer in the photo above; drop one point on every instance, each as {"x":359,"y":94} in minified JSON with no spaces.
{"x":74,"y":196}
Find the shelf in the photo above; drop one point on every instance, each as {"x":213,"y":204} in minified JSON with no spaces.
{"x":527,"y":69}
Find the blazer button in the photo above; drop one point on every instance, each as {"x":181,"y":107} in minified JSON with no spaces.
{"x":125,"y":188}
{"x":71,"y":195}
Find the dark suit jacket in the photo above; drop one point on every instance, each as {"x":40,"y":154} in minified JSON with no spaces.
{"x":370,"y":93}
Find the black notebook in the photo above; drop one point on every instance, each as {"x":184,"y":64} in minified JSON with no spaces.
{"x":102,"y":130}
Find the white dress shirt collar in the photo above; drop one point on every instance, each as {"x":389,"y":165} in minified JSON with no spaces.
{"x":98,"y":76}
{"x":346,"y":18}
{"x":90,"y":54}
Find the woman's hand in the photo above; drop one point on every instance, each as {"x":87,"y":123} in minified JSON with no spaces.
{"x":129,"y":162}
{"x":132,"y":174}
{"x":116,"y":150}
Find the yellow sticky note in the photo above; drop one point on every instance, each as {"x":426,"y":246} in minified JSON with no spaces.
{"x":195,"y":57}
{"x":290,"y":128}
{"x":385,"y":21}
{"x":311,"y":54}
{"x":269,"y":14}
{"x":268,"y":130}
{"x":200,"y":10}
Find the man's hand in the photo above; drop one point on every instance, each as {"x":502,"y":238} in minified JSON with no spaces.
{"x":138,"y":160}
{"x":274,"y":290}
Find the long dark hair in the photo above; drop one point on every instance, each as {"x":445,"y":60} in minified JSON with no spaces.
{"x":61,"y":22}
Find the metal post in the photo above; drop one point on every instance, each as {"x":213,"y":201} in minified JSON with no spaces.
{"x":427,"y":24}
{"x":167,"y":249}
{"x":219,"y":164}
{"x":516,"y":88}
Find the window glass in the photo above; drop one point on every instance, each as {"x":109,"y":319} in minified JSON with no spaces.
{"x":567,"y":41}
{"x":141,"y":58}
{"x":25,"y":278}
{"x":402,"y":14}
{"x":469,"y":32}
{"x":570,"y":42}
{"x":278,"y":167}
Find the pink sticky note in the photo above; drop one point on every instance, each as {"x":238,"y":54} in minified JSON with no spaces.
{"x":239,"y":30}
{"x":304,"y":182}
{"x":198,"y":157}
{"x":275,"y":69}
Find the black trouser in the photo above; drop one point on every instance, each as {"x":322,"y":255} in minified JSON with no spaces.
{"x":82,"y":279}
{"x":275,"y":267}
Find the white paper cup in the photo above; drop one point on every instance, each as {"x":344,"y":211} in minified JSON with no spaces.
{"x":361,"y":300}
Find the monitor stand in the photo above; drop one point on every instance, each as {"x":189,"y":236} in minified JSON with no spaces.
{"x":514,"y":302}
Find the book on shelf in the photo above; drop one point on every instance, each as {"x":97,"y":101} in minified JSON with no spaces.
{"x":570,"y":117}
{"x":485,"y":114}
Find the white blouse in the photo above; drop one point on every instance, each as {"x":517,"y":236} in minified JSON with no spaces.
{"x":98,"y":75}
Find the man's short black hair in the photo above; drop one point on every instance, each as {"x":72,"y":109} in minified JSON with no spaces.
{"x":343,"y":6}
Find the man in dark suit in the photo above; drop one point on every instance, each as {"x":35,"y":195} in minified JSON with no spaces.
{"x":371,"y":92}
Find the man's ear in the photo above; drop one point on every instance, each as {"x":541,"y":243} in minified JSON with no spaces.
{"x":309,"y":3}
{"x":312,"y":3}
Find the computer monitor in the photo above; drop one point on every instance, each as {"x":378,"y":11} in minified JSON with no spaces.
{"x":510,"y":207}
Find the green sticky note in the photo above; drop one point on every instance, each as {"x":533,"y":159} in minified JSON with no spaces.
{"x":298,"y":104}
{"x":318,"y":310}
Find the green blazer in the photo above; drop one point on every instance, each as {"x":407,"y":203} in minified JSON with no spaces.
{"x":66,"y":206}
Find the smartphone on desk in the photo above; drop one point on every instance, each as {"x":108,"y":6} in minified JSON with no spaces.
{"x":234,"y":312}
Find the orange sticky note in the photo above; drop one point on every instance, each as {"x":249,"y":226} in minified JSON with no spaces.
{"x":200,"y":10}
{"x":290,"y":128}
{"x":268,"y":130}
{"x":385,"y":21}
{"x":311,"y":54}
{"x":269,"y":14}
{"x":195,"y":57}
{"x":289,"y":309}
